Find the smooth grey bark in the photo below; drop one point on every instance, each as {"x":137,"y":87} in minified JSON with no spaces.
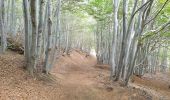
{"x":13,"y":17}
{"x":2,"y":29}
{"x":8,"y":15}
{"x":56,"y":39}
{"x":122,"y":49}
{"x":128,"y":40}
{"x":114,"y":51}
{"x":34,"y":37}
{"x":135,"y":45}
{"x":58,"y":13}
{"x":67,"y":40}
{"x":164,"y":62}
{"x":45,"y":33}
{"x":27,"y":32}
{"x":40,"y":27}
{"x":46,"y":68}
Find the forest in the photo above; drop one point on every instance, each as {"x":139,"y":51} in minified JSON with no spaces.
{"x":84,"y":49}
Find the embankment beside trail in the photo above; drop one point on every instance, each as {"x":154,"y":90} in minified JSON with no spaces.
{"x":76,"y":78}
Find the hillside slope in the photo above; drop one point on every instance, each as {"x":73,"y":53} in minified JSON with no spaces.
{"x":75,"y":78}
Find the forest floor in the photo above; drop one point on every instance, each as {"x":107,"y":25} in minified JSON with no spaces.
{"x":156,"y":84}
{"x":75,"y":77}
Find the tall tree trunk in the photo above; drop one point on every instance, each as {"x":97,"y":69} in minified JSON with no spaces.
{"x":48,"y":48}
{"x":2,"y":23}
{"x":123,"y":41}
{"x":135,"y":44}
{"x":114,"y":51}
{"x":45,"y":33}
{"x":27,"y":32}
{"x":13,"y":21}
{"x":34,"y":37}
{"x":40,"y":27}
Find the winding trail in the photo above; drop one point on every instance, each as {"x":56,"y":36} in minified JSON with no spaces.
{"x":76,"y":77}
{"x":81,"y":79}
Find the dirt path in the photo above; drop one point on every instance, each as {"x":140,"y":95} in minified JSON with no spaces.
{"x":76,"y":78}
{"x":82,"y":80}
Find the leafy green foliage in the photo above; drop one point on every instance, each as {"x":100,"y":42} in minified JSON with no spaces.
{"x":165,"y":34}
{"x":165,"y":13}
{"x":100,"y":9}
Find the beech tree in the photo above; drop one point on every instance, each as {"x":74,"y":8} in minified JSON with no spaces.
{"x":132,"y":36}
{"x":2,"y":27}
{"x":37,"y":42}
{"x":130,"y":44}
